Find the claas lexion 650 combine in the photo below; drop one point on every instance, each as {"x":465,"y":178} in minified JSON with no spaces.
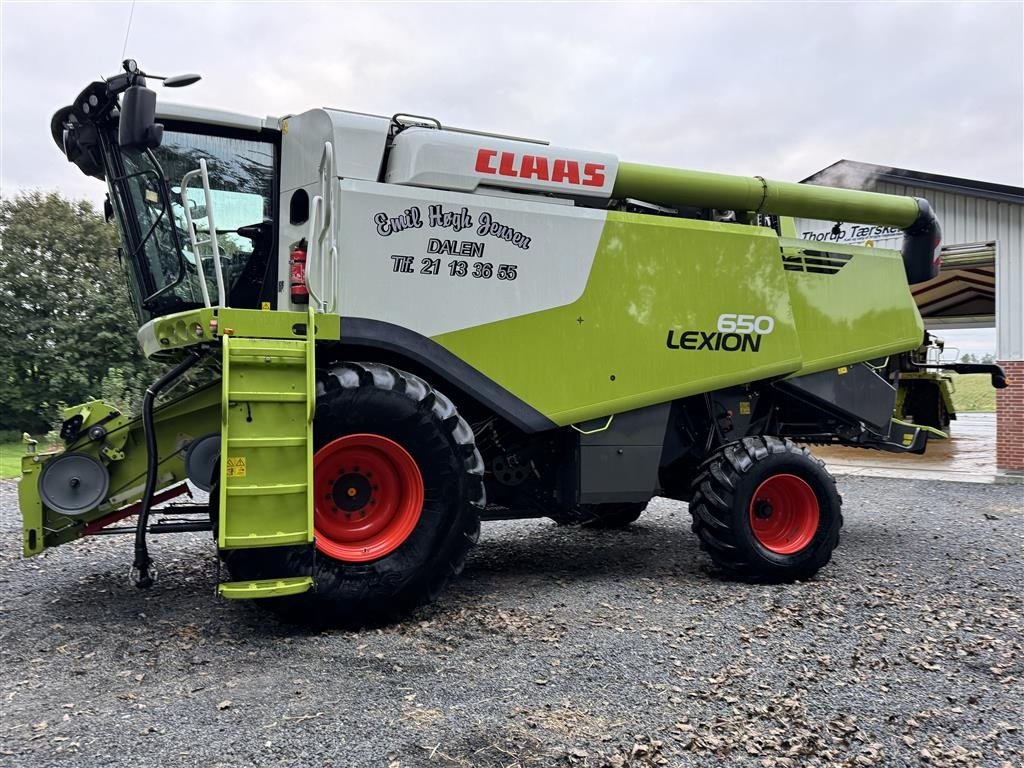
{"x":405,"y":328}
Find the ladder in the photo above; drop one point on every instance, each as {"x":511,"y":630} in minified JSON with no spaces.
{"x":266,"y":468}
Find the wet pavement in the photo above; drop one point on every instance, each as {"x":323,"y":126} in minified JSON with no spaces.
{"x":969,"y":456}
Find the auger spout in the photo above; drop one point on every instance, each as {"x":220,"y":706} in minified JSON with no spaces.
{"x":922,"y":234}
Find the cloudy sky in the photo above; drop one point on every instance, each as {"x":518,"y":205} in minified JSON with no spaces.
{"x":775,"y":89}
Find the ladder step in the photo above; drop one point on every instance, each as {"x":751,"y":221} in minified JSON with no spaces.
{"x":267,"y":397}
{"x":265,"y":490}
{"x":267,"y":442}
{"x":256,"y":540}
{"x":258,"y":353}
{"x":245,"y":590}
{"x":276,"y":360}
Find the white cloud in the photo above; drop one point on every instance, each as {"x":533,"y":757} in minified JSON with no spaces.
{"x":775,"y":89}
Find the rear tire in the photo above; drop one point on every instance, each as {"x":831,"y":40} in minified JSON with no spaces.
{"x":766,"y":511}
{"x":361,"y":577}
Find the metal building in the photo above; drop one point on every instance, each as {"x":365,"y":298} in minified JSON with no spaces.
{"x":981,"y":284}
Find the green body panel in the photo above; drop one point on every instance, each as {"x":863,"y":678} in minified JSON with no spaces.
{"x":739,"y":193}
{"x":266,"y":443}
{"x":861,"y":312}
{"x":178,"y":422}
{"x":607,"y":352}
{"x":185,"y":329}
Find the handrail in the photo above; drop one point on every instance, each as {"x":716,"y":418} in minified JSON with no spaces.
{"x":192,"y":235}
{"x":322,"y":247}
{"x":218,"y":270}
{"x":316,"y":204}
{"x":327,"y":240}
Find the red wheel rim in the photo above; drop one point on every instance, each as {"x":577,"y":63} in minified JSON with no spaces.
{"x":368,"y":497}
{"x":784,"y":514}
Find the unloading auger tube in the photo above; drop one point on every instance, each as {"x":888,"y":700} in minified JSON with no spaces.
{"x":922,"y":234}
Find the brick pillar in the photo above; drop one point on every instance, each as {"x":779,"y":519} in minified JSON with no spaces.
{"x":1010,"y":418}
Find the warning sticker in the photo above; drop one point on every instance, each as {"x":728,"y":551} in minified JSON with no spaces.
{"x":236,"y":466}
{"x":744,"y":407}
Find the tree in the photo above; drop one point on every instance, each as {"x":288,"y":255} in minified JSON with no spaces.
{"x":64,"y":310}
{"x":967,"y":358}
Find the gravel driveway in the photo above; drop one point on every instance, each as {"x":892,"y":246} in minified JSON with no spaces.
{"x":558,"y":647}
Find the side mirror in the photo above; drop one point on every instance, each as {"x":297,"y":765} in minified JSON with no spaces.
{"x":138,"y":128}
{"x":180,"y":81}
{"x":108,"y":209}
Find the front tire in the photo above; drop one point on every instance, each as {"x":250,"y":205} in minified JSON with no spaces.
{"x":398,"y":489}
{"x":766,"y":510}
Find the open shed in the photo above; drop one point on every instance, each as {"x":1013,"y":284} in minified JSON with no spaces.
{"x":981,"y":284}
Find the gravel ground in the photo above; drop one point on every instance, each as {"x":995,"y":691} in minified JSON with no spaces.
{"x":558,"y":647}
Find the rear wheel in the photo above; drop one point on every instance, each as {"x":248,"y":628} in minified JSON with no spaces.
{"x":398,"y":489}
{"x":766,"y":510}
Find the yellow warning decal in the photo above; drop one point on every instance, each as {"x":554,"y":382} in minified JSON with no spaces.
{"x":236,"y":466}
{"x":843,"y":370}
{"x":908,"y":439}
{"x":744,"y":407}
{"x":265,"y":306}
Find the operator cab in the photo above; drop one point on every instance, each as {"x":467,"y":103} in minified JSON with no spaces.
{"x":194,"y":195}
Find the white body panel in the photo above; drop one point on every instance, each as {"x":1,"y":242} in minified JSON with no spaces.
{"x":206,"y":116}
{"x":426,"y":157}
{"x":399,"y":251}
{"x":358,"y":141}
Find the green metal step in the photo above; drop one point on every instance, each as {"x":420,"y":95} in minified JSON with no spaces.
{"x":266,"y":442}
{"x":266,"y":397}
{"x":266,"y":490}
{"x":253,"y":540}
{"x":245,"y":590}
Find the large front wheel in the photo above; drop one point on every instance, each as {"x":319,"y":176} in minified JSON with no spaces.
{"x":398,"y":489}
{"x":398,"y":486}
{"x":766,"y":510}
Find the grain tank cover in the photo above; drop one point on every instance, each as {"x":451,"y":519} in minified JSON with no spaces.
{"x":427,"y":157}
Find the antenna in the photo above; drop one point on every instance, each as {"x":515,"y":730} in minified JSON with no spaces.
{"x":128,"y":31}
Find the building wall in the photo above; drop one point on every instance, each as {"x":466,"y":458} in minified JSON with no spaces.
{"x":1010,"y":418}
{"x":974,"y":220}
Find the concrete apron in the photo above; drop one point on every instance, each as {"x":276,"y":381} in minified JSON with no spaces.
{"x":969,"y":456}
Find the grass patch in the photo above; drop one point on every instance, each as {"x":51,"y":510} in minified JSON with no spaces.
{"x":974,"y":392}
{"x":10,"y":457}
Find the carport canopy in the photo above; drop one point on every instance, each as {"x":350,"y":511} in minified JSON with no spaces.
{"x":963,"y":295}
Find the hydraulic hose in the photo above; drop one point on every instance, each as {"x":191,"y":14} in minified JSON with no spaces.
{"x":141,"y":572}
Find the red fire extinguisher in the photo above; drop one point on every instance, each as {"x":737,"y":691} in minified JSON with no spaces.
{"x":297,"y":270}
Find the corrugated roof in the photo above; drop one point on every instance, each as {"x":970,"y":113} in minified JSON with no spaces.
{"x":857,"y":175}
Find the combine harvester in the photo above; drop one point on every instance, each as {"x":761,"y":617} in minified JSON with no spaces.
{"x":406,"y":328}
